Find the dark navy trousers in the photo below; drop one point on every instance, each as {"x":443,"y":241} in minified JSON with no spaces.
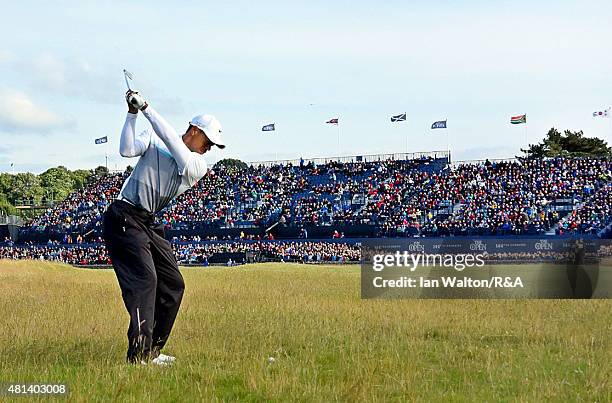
{"x":146,"y":268}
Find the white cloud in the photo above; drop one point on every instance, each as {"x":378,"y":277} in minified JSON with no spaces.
{"x":59,"y":74}
{"x":18,"y":112}
{"x":55,"y":75}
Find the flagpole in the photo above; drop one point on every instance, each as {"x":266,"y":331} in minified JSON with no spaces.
{"x":106,"y":154}
{"x":407,"y":138}
{"x":338,"y":125}
{"x":610,"y":120}
{"x":399,"y":125}
{"x":447,"y":137}
{"x":399,"y":119}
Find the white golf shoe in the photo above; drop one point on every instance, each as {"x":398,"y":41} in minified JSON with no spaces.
{"x":163,"y":360}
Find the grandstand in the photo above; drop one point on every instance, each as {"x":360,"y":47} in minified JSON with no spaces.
{"x":392,"y":195}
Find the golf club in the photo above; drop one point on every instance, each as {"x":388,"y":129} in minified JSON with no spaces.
{"x":127,"y":75}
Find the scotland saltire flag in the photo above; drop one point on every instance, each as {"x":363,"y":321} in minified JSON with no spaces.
{"x":268,"y":128}
{"x":398,"y":118}
{"x":102,"y":140}
{"x":439,"y":125}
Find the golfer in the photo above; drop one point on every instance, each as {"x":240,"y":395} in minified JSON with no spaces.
{"x":151,"y":284}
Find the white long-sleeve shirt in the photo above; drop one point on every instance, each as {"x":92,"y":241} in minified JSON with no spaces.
{"x":166,"y":167}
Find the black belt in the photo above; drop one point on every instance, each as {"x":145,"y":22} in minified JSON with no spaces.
{"x":135,"y":211}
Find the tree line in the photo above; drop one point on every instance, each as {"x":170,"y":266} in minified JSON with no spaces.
{"x":570,"y":144}
{"x":53,"y":185}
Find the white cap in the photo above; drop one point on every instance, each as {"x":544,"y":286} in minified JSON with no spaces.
{"x":211,"y":127}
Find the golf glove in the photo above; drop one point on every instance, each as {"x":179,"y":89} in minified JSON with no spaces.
{"x":136,"y":100}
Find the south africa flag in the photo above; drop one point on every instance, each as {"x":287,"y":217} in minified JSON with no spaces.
{"x":517,"y":120}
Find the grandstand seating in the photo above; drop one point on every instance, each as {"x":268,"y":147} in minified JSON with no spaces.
{"x":424,"y":196}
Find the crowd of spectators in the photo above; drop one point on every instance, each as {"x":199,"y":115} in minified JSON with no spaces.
{"x":203,"y":253}
{"x":592,"y":216}
{"x":82,"y":210}
{"x":398,"y":197}
{"x":193,"y":253}
{"x":87,"y":254}
{"x":514,"y":197}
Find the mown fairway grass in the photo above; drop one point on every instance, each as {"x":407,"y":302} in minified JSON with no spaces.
{"x":61,"y":324}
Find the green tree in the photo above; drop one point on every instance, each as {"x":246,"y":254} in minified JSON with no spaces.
{"x":58,"y":183}
{"x":80,"y":177}
{"x":53,"y":184}
{"x":231,"y":164}
{"x":568,"y":144}
{"x":25,"y":187}
{"x":6,"y":183}
{"x":6,"y":208}
{"x":100,"y":171}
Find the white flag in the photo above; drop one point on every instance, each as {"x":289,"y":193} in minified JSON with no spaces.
{"x":602,"y":114}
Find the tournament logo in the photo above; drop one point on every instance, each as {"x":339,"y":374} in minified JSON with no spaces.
{"x":543,"y":244}
{"x":478,"y":246}
{"x":416,"y":247}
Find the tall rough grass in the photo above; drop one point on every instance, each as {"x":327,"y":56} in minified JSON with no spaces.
{"x":61,"y":324}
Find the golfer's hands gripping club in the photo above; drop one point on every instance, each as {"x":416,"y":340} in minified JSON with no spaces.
{"x":135,"y":101}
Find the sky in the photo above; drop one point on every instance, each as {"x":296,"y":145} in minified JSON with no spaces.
{"x":299,"y":64}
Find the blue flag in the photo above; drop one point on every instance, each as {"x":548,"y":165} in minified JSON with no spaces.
{"x":102,"y":140}
{"x":268,"y":128}
{"x":439,"y":125}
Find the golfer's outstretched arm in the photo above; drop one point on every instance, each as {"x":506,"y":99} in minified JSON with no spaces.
{"x":171,"y":139}
{"x":131,"y":145}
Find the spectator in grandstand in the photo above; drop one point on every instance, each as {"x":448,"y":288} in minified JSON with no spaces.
{"x":395,"y":197}
{"x":82,"y":210}
{"x":151,"y":284}
{"x":516,"y":197}
{"x":74,"y":255}
{"x":194,"y":253}
{"x":593,"y":216}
